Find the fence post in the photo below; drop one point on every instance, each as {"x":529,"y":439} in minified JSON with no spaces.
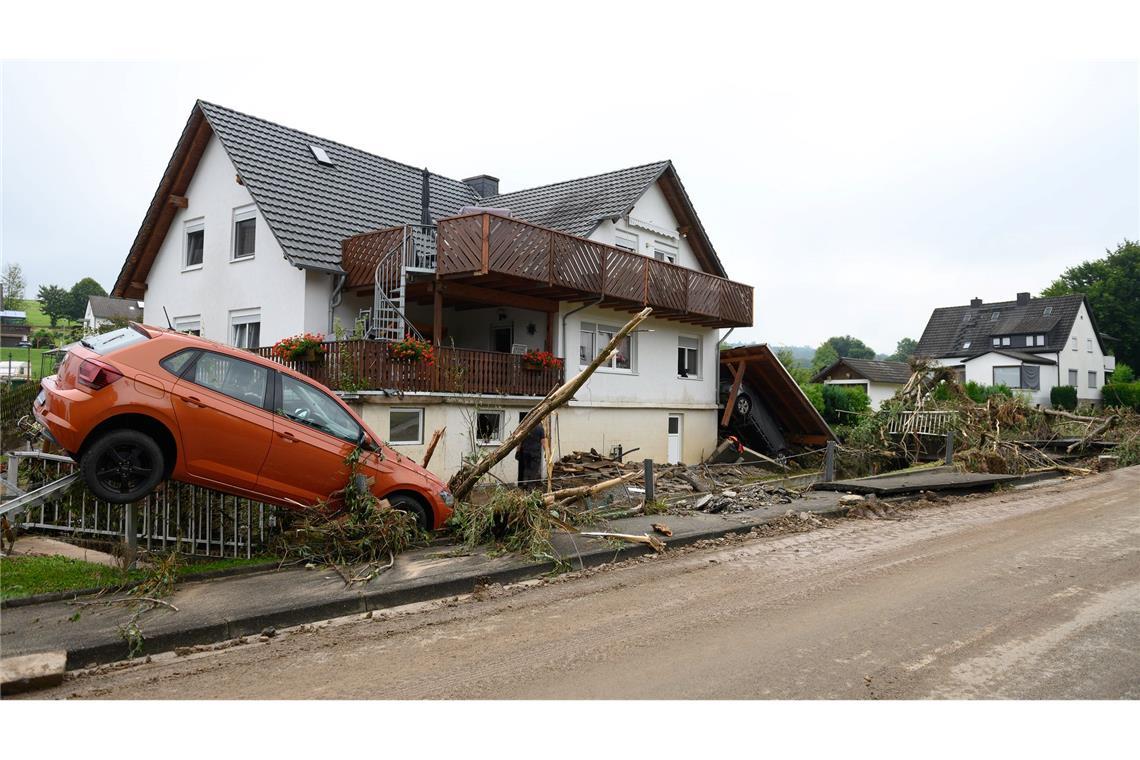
{"x":949,"y":447}
{"x":13,"y":475}
{"x":131,"y":537}
{"x":649,"y":496}
{"x":829,"y":463}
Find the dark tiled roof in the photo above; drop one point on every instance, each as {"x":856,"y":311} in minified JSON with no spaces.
{"x":576,"y":206}
{"x":104,"y":307}
{"x":872,"y":369}
{"x":951,"y":327}
{"x":312,"y":207}
{"x":1020,"y":356}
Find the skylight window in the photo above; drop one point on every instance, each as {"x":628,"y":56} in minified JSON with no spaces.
{"x":320,"y":155}
{"x":994,"y":316}
{"x":1048,"y":310}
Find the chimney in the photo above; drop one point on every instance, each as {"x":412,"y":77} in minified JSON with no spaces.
{"x":1022,"y":299}
{"x":484,"y":185}
{"x":975,"y":302}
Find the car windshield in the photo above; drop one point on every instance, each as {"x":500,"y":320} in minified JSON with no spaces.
{"x":113,"y":340}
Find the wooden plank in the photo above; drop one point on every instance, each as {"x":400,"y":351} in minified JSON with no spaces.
{"x":737,"y":377}
{"x":178,"y":201}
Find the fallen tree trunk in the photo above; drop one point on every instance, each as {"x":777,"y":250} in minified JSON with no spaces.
{"x":431,"y":446}
{"x":652,"y":541}
{"x":577,"y":492}
{"x":463,"y":481}
{"x":1068,"y":416}
{"x":1112,"y":420}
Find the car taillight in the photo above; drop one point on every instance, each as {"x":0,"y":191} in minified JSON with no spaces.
{"x":95,"y":374}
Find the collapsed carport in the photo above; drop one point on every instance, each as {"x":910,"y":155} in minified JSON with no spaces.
{"x":779,"y":403}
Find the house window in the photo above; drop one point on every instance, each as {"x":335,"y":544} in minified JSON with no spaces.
{"x":189,"y":325}
{"x":997,"y":341}
{"x":1027,"y":376}
{"x":627,"y":241}
{"x":245,"y":232}
{"x":1005,"y":341}
{"x":966,"y":345}
{"x":994,"y":316}
{"x":1090,"y":345}
{"x":406,"y":426}
{"x":1041,"y":340}
{"x":688,"y":356}
{"x":1073,"y":378}
{"x":1092,"y":378}
{"x":1048,"y":310}
{"x":195,"y":244}
{"x":245,"y":328}
{"x":595,"y":337}
{"x":1074,"y":344}
{"x":489,"y":427}
{"x":665,"y":252}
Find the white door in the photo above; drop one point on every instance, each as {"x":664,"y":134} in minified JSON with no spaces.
{"x":673,"y":450}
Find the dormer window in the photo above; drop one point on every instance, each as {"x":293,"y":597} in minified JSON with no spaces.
{"x":997,"y":341}
{"x":1005,"y":341}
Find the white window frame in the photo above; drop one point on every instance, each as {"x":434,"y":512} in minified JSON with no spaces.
{"x":1074,"y":378}
{"x":1093,"y":379}
{"x":419,"y":411}
{"x":1005,"y":341}
{"x":242,"y":214}
{"x":666,"y":252}
{"x":598,"y":330}
{"x":997,"y":342}
{"x":631,"y":240}
{"x":1041,"y":340}
{"x":189,"y":227}
{"x":1090,"y":345}
{"x":697,"y":350}
{"x":187,"y":323}
{"x":1074,"y":343}
{"x":501,"y":414}
{"x":240,"y":318}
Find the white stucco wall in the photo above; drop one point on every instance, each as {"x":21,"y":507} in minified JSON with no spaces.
{"x":653,"y":208}
{"x":981,"y":370}
{"x":1081,"y":359}
{"x":267,"y":281}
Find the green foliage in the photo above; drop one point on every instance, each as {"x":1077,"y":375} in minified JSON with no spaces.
{"x":814,"y":393}
{"x":55,"y":303}
{"x":13,"y":285}
{"x":1112,"y":286}
{"x":825,"y":356}
{"x":28,"y":576}
{"x":518,"y":522}
{"x":838,"y":347}
{"x":841,"y":402}
{"x":1122,"y":394}
{"x":904,"y":350}
{"x":80,"y":292}
{"x":1123,"y":374}
{"x":42,"y":339}
{"x":802,"y":375}
{"x":1063,"y":397}
{"x":979,"y":393}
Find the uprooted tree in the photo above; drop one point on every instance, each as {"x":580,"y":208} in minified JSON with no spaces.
{"x":463,"y":481}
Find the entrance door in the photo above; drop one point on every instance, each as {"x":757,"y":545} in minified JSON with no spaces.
{"x":501,"y":338}
{"x":673,"y":450}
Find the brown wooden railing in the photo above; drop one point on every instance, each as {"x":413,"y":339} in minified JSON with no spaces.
{"x":489,"y":243}
{"x":353,"y":365}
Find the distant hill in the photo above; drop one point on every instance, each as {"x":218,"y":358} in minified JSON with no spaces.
{"x":802,"y":354}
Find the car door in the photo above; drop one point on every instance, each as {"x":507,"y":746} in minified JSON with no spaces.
{"x":223,"y":420}
{"x":312,"y":435}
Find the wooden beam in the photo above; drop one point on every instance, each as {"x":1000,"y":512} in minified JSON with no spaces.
{"x":178,"y":201}
{"x":486,"y":243}
{"x":737,"y":377}
{"x":550,"y":322}
{"x":464,"y":292}
{"x":437,"y":320}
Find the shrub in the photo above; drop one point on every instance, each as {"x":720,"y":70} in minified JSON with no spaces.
{"x":979,"y":394}
{"x":841,"y":402}
{"x":1063,"y":397}
{"x":1123,"y":374}
{"x":814,"y":393}
{"x":1122,"y":394}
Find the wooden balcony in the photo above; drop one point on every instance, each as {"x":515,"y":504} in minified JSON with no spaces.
{"x":365,"y":365}
{"x":497,"y":253}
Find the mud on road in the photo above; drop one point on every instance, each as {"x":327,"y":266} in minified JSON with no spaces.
{"x":1025,"y":594}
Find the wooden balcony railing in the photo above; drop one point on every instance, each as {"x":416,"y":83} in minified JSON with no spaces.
{"x":353,"y":365}
{"x":484,"y":243}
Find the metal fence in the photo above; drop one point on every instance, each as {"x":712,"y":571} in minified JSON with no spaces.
{"x":936,"y":422}
{"x":178,"y":516}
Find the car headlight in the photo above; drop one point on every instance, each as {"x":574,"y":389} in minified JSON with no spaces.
{"x":448,"y":499}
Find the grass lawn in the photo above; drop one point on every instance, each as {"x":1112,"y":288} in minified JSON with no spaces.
{"x":28,"y":576}
{"x":21,"y":355}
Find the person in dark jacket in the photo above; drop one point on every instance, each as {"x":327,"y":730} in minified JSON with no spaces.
{"x":529,"y":454}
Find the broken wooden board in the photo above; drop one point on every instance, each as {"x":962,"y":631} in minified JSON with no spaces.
{"x":913,"y":482}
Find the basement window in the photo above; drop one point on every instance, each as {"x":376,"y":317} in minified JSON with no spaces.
{"x":489,"y":428}
{"x":320,"y":155}
{"x":406,"y":426}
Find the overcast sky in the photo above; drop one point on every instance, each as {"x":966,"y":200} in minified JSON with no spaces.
{"x":855,"y":198}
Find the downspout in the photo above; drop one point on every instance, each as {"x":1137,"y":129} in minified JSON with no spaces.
{"x":336,"y":297}
{"x":562,"y":337}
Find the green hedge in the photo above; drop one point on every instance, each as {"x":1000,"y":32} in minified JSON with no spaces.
{"x":1122,"y":394}
{"x":979,"y":394}
{"x":843,"y":398}
{"x":1063,"y":397}
{"x":814,"y":392}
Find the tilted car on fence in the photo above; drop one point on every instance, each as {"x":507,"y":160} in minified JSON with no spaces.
{"x":141,"y":404}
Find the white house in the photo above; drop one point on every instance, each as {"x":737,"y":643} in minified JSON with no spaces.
{"x":103,"y":311}
{"x":880,"y":380}
{"x":1028,"y":344}
{"x":258,"y":232}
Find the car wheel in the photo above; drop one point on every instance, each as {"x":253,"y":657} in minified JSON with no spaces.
{"x":413,"y":507}
{"x":743,"y":404}
{"x":123,"y":466}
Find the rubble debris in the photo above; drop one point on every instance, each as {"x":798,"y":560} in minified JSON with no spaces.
{"x":662,"y":528}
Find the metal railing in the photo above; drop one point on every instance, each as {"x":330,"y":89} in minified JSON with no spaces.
{"x":177,"y":516}
{"x":936,"y":422}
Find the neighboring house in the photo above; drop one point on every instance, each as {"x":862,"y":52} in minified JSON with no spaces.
{"x":13,"y":327}
{"x":878,"y":379}
{"x":1028,"y":344}
{"x":103,"y":310}
{"x":258,"y":232}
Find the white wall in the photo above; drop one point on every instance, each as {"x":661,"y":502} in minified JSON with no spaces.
{"x":653,"y":208}
{"x":981,"y":370}
{"x":1081,"y":360}
{"x":267,"y":281}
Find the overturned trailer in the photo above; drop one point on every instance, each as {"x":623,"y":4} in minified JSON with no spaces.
{"x":764,"y":407}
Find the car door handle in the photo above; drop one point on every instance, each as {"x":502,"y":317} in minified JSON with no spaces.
{"x":287,"y":436}
{"x":192,"y":401}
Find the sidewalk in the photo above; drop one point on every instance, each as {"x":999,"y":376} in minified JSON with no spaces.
{"x":225,"y":608}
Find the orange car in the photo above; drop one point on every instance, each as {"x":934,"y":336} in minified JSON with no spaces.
{"x":141,"y":404}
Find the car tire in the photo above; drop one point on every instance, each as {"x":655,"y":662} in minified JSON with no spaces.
{"x":413,"y":507}
{"x":743,"y":406}
{"x":123,"y":466}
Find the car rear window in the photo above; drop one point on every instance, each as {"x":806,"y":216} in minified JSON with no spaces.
{"x":176,"y":364}
{"x":109,"y":342}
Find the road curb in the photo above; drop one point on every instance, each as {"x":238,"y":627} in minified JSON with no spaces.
{"x":210,"y":633}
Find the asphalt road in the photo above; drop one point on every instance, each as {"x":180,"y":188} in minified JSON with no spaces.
{"x":1025,"y":594}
